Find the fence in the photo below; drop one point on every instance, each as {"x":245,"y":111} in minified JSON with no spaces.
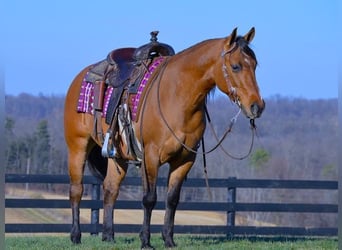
{"x":230,"y":207}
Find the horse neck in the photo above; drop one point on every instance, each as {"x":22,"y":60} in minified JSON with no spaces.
{"x":197,"y":66}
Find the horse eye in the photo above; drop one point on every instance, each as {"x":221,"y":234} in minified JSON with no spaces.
{"x":236,"y":67}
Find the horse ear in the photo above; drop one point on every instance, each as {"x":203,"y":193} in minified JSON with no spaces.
{"x":231,"y":39}
{"x":250,"y":35}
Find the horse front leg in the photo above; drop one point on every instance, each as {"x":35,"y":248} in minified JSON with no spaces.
{"x":149,"y":178}
{"x":149,"y":201}
{"x":115,"y":174}
{"x":176,"y":178}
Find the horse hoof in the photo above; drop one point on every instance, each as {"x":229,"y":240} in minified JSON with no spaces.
{"x":147,"y":247}
{"x":169,"y":243}
{"x":108,"y":238}
{"x":75,"y":238}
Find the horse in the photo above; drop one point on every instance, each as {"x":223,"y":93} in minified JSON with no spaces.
{"x":170,"y":126}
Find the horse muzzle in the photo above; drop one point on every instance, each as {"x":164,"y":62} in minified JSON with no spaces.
{"x":255,"y":110}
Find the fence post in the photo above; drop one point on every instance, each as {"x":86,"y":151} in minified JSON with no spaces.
{"x":231,"y":199}
{"x":95,"y":214}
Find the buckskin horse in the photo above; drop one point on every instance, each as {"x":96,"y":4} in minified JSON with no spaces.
{"x":169,"y":127}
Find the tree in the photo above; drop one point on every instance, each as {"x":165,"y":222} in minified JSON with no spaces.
{"x":257,"y":161}
{"x":42,"y":147}
{"x":11,"y":148}
{"x":259,"y":158}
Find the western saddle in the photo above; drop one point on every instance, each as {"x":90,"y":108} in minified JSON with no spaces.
{"x":123,"y":69}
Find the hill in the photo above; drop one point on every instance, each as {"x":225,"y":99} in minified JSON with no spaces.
{"x":299,"y":136}
{"x":296,"y":139}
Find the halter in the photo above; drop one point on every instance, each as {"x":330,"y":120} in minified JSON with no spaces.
{"x":231,"y":90}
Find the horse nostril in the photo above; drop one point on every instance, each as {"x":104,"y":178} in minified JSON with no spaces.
{"x":255,"y":109}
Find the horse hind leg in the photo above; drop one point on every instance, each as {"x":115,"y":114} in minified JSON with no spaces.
{"x":76,"y":169}
{"x":116,"y":172}
{"x":176,"y":178}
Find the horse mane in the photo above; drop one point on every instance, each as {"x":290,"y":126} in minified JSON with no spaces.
{"x":243,"y":45}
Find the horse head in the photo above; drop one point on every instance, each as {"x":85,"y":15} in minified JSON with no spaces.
{"x":236,"y":74}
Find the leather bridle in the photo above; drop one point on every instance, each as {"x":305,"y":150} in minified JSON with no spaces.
{"x":232,"y":93}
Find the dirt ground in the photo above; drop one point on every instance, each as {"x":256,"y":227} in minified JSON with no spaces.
{"x":121,"y":216}
{"x":127,"y":216}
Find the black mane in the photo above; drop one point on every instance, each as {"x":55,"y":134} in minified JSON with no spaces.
{"x":243,"y":45}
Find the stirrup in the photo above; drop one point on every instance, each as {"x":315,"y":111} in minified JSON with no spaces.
{"x":106,"y":151}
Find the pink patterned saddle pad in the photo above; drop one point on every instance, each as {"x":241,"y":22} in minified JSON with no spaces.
{"x":86,"y":97}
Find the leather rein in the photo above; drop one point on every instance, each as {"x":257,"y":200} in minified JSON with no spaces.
{"x":219,"y":141}
{"x":235,"y":99}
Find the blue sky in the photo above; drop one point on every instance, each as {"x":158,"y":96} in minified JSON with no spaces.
{"x":46,"y":43}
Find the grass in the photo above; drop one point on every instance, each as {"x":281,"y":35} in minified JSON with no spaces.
{"x":186,"y":242}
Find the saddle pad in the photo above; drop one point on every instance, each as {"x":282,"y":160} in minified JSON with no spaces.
{"x":86,"y":98}
{"x":135,"y":98}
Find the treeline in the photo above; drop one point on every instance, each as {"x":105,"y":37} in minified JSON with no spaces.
{"x":296,"y":139}
{"x":34,"y":135}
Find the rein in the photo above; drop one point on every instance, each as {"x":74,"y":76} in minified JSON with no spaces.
{"x":232,"y":122}
{"x":219,"y":141}
{"x":232,"y":93}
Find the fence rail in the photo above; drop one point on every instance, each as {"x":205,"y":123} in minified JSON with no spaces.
{"x":230,"y":207}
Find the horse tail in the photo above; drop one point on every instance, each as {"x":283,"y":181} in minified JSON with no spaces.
{"x":97,"y":163}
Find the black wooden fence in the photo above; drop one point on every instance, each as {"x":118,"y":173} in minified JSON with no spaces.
{"x":230,"y":207}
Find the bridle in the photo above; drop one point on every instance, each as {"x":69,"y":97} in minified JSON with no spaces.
{"x":232,"y":93}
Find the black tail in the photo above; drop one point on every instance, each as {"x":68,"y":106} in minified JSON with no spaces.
{"x":97,"y":163}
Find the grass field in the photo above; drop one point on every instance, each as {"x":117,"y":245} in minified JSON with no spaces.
{"x":187,"y":242}
{"x":131,"y":241}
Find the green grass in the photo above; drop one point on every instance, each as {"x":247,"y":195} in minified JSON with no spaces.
{"x":187,"y":242}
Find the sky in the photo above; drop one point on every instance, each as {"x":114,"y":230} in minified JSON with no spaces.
{"x":45,"y":44}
